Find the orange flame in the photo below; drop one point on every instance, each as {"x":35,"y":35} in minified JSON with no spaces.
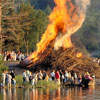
{"x":65,"y":20}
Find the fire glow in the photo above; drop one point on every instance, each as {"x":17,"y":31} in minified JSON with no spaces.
{"x":79,"y":54}
{"x":65,"y":19}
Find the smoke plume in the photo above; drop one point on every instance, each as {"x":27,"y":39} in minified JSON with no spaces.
{"x":82,"y":4}
{"x":81,"y":11}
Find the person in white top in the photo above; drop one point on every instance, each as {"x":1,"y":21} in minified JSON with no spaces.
{"x":66,"y":76}
{"x":53,"y":75}
{"x":3,"y":78}
{"x":9,"y":77}
{"x":33,"y":81}
{"x":24,"y":76}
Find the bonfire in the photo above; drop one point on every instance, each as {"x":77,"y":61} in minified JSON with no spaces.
{"x":55,"y":49}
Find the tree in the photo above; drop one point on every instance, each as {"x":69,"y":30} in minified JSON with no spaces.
{"x":6,"y":7}
{"x":0,"y":30}
{"x":36,"y":22}
{"x":22,"y":27}
{"x":11,"y":29}
{"x":90,"y":32}
{"x":42,"y":4}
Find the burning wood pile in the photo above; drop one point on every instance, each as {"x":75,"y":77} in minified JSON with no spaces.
{"x":55,"y":50}
{"x":66,"y":59}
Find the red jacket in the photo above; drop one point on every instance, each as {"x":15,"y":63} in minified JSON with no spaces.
{"x":57,"y":76}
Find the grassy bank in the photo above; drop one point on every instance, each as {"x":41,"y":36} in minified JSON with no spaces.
{"x":40,"y":83}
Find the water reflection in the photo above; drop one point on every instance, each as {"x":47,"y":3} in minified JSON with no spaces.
{"x":8,"y":94}
{"x":76,"y":93}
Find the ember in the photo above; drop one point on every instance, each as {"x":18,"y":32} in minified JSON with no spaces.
{"x":79,"y":54}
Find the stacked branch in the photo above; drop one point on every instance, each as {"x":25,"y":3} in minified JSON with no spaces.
{"x":66,"y":59}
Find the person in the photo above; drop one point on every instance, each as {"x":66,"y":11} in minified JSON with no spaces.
{"x":30,"y":78}
{"x":47,"y":77}
{"x":12,"y":74}
{"x":22,"y":56}
{"x":60,"y":73}
{"x":88,"y":76}
{"x":13,"y":81}
{"x":3,"y":78}
{"x":57,"y":76}
{"x":35,"y":77}
{"x":63,"y":78}
{"x":66,"y":76}
{"x":5,"y":56}
{"x":72,"y":73}
{"x":14,"y":56}
{"x":19,"y":56}
{"x":27,"y":75}
{"x":44,"y":75}
{"x":40,"y":75}
{"x":53,"y":75}
{"x":75,"y":78}
{"x":33,"y":81}
{"x":9,"y":56}
{"x":24,"y":76}
{"x":69,"y":75}
{"x":80,"y":79}
{"x":93,"y":76}
{"x":9,"y":77}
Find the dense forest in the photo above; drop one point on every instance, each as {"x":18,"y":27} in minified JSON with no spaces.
{"x":24,"y":21}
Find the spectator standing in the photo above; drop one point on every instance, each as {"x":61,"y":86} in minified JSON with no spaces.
{"x":9,"y":77}
{"x":53,"y":75}
{"x":3,"y":78}
{"x":24,"y":76}
{"x":60,"y":72}
{"x":66,"y":76}
{"x":5,"y":56}
{"x":40,"y":75}
{"x":12,"y":74}
{"x":14,"y":81}
{"x":44,"y":75}
{"x":57,"y":76}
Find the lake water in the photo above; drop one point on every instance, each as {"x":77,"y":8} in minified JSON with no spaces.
{"x":74,"y":93}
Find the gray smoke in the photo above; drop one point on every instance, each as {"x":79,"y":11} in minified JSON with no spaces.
{"x":82,"y":4}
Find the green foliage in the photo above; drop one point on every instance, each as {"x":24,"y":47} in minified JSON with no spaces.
{"x":23,"y":28}
{"x":40,"y":83}
{"x":48,"y":10}
{"x":32,"y":31}
{"x":44,"y":83}
{"x":42,"y":4}
{"x":11,"y":28}
{"x":19,"y":80}
{"x":89,"y":33}
{"x":28,"y":23}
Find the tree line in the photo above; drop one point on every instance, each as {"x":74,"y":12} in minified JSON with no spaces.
{"x":24,"y":21}
{"x":22,"y":26}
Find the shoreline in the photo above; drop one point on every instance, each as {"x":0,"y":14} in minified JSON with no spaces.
{"x":55,"y":85}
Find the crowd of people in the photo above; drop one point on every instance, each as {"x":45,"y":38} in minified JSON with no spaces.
{"x":60,"y":77}
{"x":57,"y":76}
{"x":97,"y":60}
{"x":13,"y":56}
{"x":8,"y":78}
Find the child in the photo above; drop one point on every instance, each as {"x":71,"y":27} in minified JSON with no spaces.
{"x":13,"y":81}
